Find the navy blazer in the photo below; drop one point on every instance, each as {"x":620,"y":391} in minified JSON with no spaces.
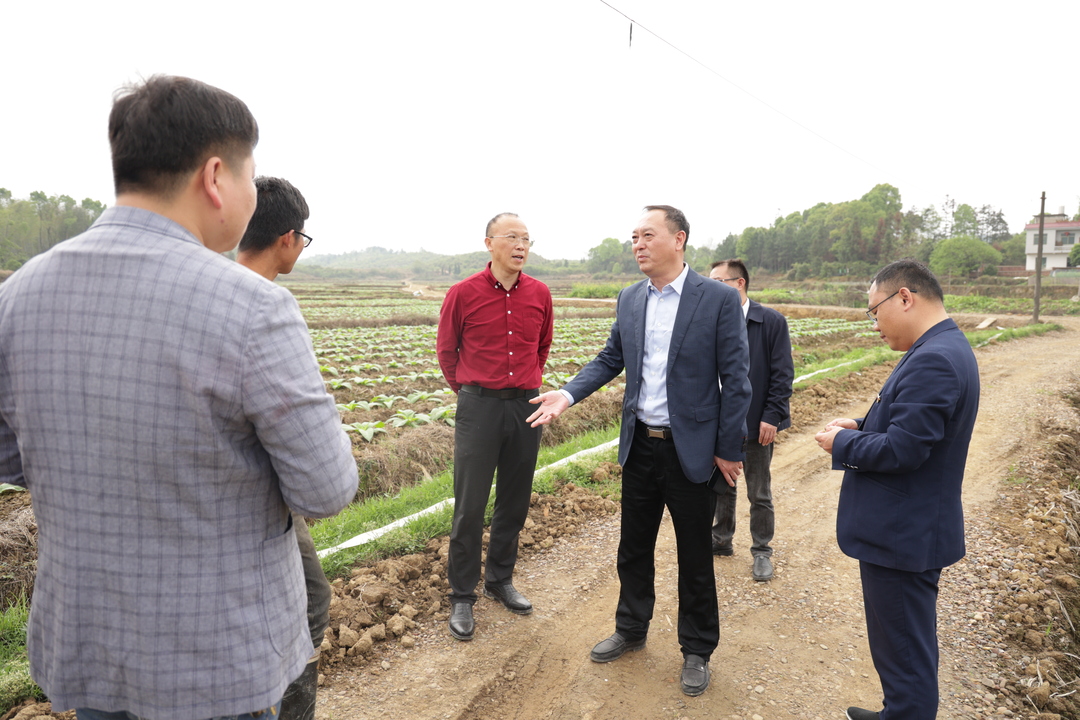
{"x":900,"y":500}
{"x":771,"y":369}
{"x":708,"y":342}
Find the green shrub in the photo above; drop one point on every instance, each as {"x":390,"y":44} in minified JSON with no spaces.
{"x":595,"y":290}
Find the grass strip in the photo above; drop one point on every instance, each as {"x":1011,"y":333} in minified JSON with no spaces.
{"x":378,"y":512}
{"x":865,"y":357}
{"x":15,"y":682}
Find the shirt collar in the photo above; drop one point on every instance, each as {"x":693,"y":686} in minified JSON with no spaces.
{"x":493,"y":282}
{"x":746,"y":308}
{"x":676,"y":284}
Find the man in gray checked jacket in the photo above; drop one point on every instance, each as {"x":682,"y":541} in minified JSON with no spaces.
{"x":164,"y":407}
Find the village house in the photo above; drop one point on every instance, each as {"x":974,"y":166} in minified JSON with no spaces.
{"x":1059,"y":237}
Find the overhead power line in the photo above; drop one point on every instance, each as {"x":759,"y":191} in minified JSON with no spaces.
{"x":738,"y":87}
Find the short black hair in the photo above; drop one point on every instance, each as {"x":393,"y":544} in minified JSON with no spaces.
{"x":913,"y":275}
{"x":676,"y":220}
{"x":162,"y":130}
{"x":279,"y":209}
{"x":737,"y":265}
{"x":497,"y":218}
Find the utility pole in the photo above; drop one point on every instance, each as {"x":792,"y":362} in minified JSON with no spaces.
{"x":1039,"y":239}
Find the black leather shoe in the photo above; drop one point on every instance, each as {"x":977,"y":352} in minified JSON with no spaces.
{"x":762,"y":568}
{"x":613,"y":648}
{"x":695,"y":675}
{"x":514,"y":601}
{"x":722,"y":550}
{"x":854,"y":713}
{"x":461,"y":621}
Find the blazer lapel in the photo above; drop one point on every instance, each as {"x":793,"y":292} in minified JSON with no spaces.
{"x":688,"y":302}
{"x":637,"y":312}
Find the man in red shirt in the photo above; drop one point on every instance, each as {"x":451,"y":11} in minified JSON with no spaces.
{"x":494,"y":335}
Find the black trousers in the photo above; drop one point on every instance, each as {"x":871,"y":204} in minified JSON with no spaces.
{"x":491,"y":437}
{"x":653,"y":479}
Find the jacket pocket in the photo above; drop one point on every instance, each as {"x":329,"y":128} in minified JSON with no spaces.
{"x":705,"y":413}
{"x":284,"y":599}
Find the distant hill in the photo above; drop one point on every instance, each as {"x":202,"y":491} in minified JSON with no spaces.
{"x":380,"y":262}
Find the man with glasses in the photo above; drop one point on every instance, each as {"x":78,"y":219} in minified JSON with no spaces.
{"x":270,"y":252}
{"x":494,"y":334}
{"x":900,"y":512}
{"x":273,"y":240}
{"x":771,"y":375}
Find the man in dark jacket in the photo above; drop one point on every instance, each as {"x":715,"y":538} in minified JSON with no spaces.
{"x":900,"y":512}
{"x":771,"y":374}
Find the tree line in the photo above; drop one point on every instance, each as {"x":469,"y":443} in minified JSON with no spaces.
{"x":830,"y":239}
{"x":853,"y":238}
{"x":29,"y":227}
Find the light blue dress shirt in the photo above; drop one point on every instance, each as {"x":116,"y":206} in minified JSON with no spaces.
{"x":660,"y":310}
{"x":661,"y":307}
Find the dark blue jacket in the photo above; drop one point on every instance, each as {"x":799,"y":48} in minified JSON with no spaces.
{"x":900,"y":500}
{"x":707,"y":342}
{"x":771,"y":369}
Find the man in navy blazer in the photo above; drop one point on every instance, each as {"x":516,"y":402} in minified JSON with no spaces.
{"x":900,"y":512}
{"x":675,"y":334}
{"x":771,"y":373}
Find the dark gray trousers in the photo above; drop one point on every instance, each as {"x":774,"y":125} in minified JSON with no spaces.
{"x":758,"y":480}
{"x":318,"y":587}
{"x":491,"y":438}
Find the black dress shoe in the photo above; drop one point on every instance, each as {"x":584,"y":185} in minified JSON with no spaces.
{"x":763,"y":571}
{"x":461,"y":621}
{"x":854,"y":713}
{"x":722,"y":550}
{"x":695,"y":675}
{"x":514,"y":601}
{"x":613,"y":648}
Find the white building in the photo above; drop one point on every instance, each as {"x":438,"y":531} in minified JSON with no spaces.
{"x":1059,"y":238}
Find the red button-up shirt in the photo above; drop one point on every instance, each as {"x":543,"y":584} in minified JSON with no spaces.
{"x":493,"y":336}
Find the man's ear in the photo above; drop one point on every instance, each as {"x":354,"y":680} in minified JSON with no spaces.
{"x":287,"y":239}
{"x":211,"y":171}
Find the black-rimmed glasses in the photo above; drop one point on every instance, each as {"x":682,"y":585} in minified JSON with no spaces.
{"x":307,"y":238}
{"x":872,"y":312}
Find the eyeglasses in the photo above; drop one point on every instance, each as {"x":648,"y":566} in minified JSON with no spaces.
{"x":307,"y":238}
{"x":727,"y":279}
{"x":515,"y":239}
{"x":872,"y":312}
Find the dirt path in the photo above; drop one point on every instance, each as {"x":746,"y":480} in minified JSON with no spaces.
{"x":791,"y":648}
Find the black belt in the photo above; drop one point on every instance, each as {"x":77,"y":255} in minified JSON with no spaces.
{"x":504,"y":394}
{"x":659,"y":433}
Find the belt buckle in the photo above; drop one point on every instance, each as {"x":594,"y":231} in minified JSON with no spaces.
{"x":658,"y":433}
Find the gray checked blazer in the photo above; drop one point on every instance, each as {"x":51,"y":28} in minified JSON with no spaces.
{"x":164,"y":407}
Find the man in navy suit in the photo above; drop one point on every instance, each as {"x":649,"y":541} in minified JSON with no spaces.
{"x":900,"y":513}
{"x":771,"y":373}
{"x":675,"y":334}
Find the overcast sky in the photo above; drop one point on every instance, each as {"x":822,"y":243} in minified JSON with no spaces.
{"x":408,"y":124}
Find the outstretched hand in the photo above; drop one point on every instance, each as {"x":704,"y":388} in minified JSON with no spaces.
{"x":552,"y":404}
